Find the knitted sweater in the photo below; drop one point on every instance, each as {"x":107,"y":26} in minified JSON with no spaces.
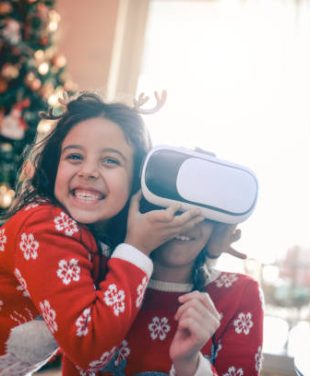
{"x":235,"y":349}
{"x":50,"y":266}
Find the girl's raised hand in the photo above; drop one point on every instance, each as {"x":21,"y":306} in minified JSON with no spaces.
{"x":198,"y":320}
{"x":221,"y":239}
{"x":147,"y":231}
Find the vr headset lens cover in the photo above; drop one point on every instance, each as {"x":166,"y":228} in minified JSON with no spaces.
{"x":224,"y":191}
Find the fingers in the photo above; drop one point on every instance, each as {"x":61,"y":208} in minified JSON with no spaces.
{"x":236,"y":235}
{"x":170,"y":214}
{"x":175,"y":223}
{"x":147,"y":231}
{"x":135,"y":201}
{"x":184,"y":221}
{"x":172,"y":210}
{"x":199,"y":302}
{"x":236,"y":253}
{"x":198,"y":319}
{"x":221,"y":239}
{"x":189,"y":217}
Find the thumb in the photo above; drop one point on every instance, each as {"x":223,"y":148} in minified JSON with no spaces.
{"x":135,"y":202}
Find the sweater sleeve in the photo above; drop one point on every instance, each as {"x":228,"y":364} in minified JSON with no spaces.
{"x":238,"y":349}
{"x":54,"y":260}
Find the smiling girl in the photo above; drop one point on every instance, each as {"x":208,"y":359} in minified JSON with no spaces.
{"x":51,"y":262}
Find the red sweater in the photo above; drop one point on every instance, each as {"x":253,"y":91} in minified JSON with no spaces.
{"x":49,"y":267}
{"x":235,"y":349}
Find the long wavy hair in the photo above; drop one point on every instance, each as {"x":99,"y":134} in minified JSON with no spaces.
{"x":45,"y":154}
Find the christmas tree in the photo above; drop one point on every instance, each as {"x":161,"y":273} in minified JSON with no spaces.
{"x":32,"y":77}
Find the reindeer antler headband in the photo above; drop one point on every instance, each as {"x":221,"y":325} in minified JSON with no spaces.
{"x":64,"y":100}
{"x":142,"y":99}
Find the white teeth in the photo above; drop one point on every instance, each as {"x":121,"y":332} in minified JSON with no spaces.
{"x":182,"y":237}
{"x":86,"y":196}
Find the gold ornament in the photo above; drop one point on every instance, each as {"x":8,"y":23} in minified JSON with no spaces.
{"x":60,"y":61}
{"x":10,"y":71}
{"x":6,"y":148}
{"x":43,"y":68}
{"x":36,"y":84}
{"x":54,"y":19}
{"x":5,"y":8}
{"x":29,"y":78}
{"x":6,"y":196}
{"x":32,"y":81}
{"x":39,"y":56}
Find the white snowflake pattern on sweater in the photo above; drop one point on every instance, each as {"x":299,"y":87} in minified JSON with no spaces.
{"x":159,"y":328}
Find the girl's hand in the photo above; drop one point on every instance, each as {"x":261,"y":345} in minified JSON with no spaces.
{"x":223,"y":235}
{"x":147,"y":231}
{"x":198,"y":320}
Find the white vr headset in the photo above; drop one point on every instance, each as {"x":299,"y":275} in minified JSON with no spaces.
{"x":224,"y":191}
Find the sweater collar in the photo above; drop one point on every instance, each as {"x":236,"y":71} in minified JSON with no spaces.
{"x":179,"y":287}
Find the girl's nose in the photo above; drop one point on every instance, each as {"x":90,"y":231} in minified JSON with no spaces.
{"x":88,"y":172}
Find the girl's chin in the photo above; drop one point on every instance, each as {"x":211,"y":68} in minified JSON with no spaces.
{"x":86,"y":217}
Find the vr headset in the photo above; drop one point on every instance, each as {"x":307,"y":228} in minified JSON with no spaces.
{"x":224,"y":191}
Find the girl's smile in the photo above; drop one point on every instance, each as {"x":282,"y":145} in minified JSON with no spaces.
{"x":179,"y":254}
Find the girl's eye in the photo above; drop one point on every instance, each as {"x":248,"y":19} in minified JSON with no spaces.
{"x":74,"y":157}
{"x":111,"y":161}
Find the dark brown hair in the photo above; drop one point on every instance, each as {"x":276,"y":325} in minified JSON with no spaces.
{"x":200,"y":273}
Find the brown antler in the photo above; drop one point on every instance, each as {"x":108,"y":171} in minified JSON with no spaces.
{"x":142,"y":99}
{"x":64,"y":99}
{"x":49,"y":115}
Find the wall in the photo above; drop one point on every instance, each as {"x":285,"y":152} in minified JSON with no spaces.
{"x":86,"y":36}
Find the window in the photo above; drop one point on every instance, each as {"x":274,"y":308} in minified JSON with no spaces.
{"x":238,"y":81}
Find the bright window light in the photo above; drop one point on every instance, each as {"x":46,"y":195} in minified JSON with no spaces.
{"x":237,"y":75}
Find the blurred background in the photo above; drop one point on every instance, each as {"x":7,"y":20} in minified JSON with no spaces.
{"x":238,"y":81}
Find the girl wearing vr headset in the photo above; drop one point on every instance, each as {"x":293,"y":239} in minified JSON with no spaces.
{"x":52,"y":265}
{"x":195,"y":320}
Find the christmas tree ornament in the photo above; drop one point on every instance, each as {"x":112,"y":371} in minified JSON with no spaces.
{"x":5,"y":8}
{"x":10,"y":71}
{"x":13,"y":125}
{"x":59,"y":61}
{"x":6,"y":196}
{"x":39,"y":56}
{"x":6,"y":150}
{"x":35,"y":84}
{"x":11,"y":32}
{"x":43,"y":68}
{"x":54,"y":19}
